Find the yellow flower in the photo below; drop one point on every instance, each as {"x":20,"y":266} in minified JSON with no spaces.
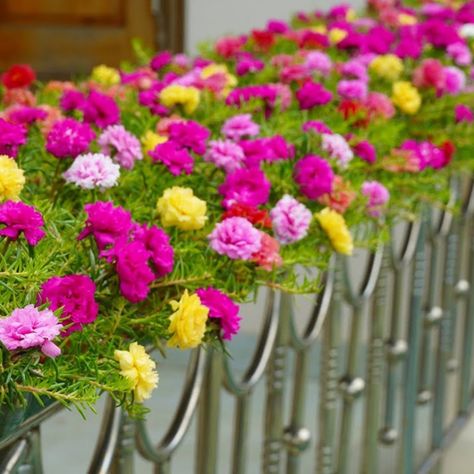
{"x":137,"y":366}
{"x":105,"y":75}
{"x":406,"y":97}
{"x":150,"y":139}
{"x":188,"y":322}
{"x":179,"y":207}
{"x":174,"y":94}
{"x":336,"y":35}
{"x":387,"y":66}
{"x":406,"y":19}
{"x":12,"y":179}
{"x":336,"y":229}
{"x":321,"y":29}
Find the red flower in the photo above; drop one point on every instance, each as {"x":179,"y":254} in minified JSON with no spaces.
{"x":252,"y":214}
{"x":263,"y":39}
{"x":448,"y":148}
{"x":19,"y":75}
{"x":352,"y":108}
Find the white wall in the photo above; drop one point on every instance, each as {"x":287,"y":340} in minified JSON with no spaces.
{"x":210,"y":19}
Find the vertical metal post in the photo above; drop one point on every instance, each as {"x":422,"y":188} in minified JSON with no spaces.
{"x":239,"y":454}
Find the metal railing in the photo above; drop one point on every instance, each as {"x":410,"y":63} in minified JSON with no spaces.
{"x":391,"y":345}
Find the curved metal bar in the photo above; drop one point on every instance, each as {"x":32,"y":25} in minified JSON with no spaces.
{"x":408,"y":248}
{"x":182,"y":419}
{"x":318,"y":315}
{"x":14,"y":456}
{"x":369,"y":282}
{"x":263,"y":352}
{"x":468,"y":204}
{"x":443,"y":226}
{"x":106,"y":446}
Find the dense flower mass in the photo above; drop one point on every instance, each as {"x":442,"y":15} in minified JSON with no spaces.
{"x":30,"y":327}
{"x":19,"y":218}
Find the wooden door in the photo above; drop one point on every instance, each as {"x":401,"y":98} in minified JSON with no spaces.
{"x":61,"y":38}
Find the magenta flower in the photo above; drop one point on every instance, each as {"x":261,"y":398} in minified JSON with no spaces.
{"x":18,"y":217}
{"x":338,"y":148}
{"x":106,"y":223}
{"x":316,"y":61}
{"x":377,"y":195}
{"x":221,"y":308}
{"x":174,"y":157}
{"x":30,"y":327}
{"x":240,"y":126}
{"x":290,"y":220}
{"x":72,"y":100}
{"x":69,"y":138}
{"x":100,"y":110}
{"x":75,"y":294}
{"x":356,"y":69}
{"x":314,"y":176}
{"x":366,"y":151}
{"x":157,"y":242}
{"x":245,"y":186}
{"x":455,"y":81}
{"x":189,"y":135}
{"x":121,"y":145}
{"x":248,"y":64}
{"x":352,"y":89}
{"x":25,"y":115}
{"x":312,"y":94}
{"x":161,"y":60}
{"x":316,"y":126}
{"x":235,"y":237}
{"x":463,"y":113}
{"x":93,"y":170}
{"x":225,"y":154}
{"x":460,"y":53}
{"x":12,"y":136}
{"x":135,"y":275}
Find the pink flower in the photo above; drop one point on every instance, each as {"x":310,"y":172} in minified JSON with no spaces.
{"x":352,"y":89}
{"x":312,"y":94}
{"x":268,"y":256}
{"x":75,"y":294}
{"x":379,"y":105}
{"x":314,"y":176}
{"x":463,"y":114}
{"x":124,"y":147}
{"x":430,"y":73}
{"x":93,"y":170}
{"x":377,"y":195}
{"x":316,"y":126}
{"x":157,"y":242}
{"x":460,"y":53}
{"x":174,"y":157}
{"x":189,"y":135}
{"x":316,"y":61}
{"x":290,"y":220}
{"x":240,"y":126}
{"x":221,"y":308}
{"x":18,"y":217}
{"x":235,"y":237}
{"x":225,"y":154}
{"x":366,"y":151}
{"x":245,"y":186}
{"x":12,"y":136}
{"x":340,"y":198}
{"x":338,"y":148}
{"x":455,"y":81}
{"x":100,"y":109}
{"x":106,"y":223}
{"x":69,"y":138}
{"x":30,"y":327}
{"x":135,"y":275}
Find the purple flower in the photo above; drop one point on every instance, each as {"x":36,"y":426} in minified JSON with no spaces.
{"x":135,"y":275}
{"x":190,"y":135}
{"x":18,"y":217}
{"x":247,"y":63}
{"x":240,"y":126}
{"x":377,"y":195}
{"x":316,"y":126}
{"x":174,"y":157}
{"x":338,"y":148}
{"x":12,"y":136}
{"x":460,"y":53}
{"x":124,"y":147}
{"x":222,"y":308}
{"x":106,"y":223}
{"x":355,"y":69}
{"x":245,"y":186}
{"x":290,"y":220}
{"x":93,"y":170}
{"x":352,"y":89}
{"x":455,"y":80}
{"x":157,"y":242}
{"x":312,"y":94}
{"x":316,"y":61}
{"x":75,"y":294}
{"x":235,"y":237}
{"x":463,"y":114}
{"x":29,"y":327}
{"x":366,"y":151}
{"x":69,"y":138}
{"x":225,"y":154}
{"x":100,"y":110}
{"x":314,"y":176}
